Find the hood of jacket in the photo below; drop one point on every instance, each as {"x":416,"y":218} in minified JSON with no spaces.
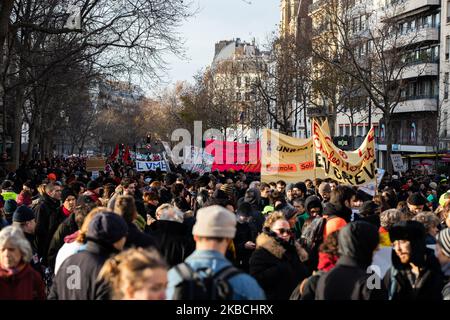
{"x":338,"y":210}
{"x":313,"y":202}
{"x":253,"y":196}
{"x":357,"y":241}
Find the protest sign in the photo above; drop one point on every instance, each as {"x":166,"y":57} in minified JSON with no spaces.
{"x":95,"y":164}
{"x":355,"y":168}
{"x":397,"y":162}
{"x":142,"y":166}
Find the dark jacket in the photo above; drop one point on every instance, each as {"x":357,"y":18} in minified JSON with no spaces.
{"x":67,"y":227}
{"x":88,"y":264}
{"x":48,"y":218}
{"x":336,"y":210}
{"x":137,"y":238}
{"x":428,"y":286}
{"x":243,"y":234}
{"x":176,"y":245}
{"x":276,"y":266}
{"x":35,"y":260}
{"x":349,"y":279}
{"x":27,"y":284}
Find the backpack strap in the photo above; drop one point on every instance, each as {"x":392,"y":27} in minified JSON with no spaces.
{"x":185,"y":271}
{"x":226,"y":273}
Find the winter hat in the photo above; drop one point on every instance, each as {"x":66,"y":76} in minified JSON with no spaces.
{"x":7,"y":184}
{"x":215,"y":222}
{"x":23,"y":214}
{"x":92,"y":185}
{"x":65,"y":193}
{"x":244,"y":209}
{"x":290,"y":186}
{"x":24,"y":198}
{"x":227,"y":188}
{"x":51,"y":176}
{"x":313,"y":202}
{"x":407,"y":230}
{"x":443,"y":238}
{"x":288,"y":211}
{"x":10,"y":206}
{"x":268,"y":210}
{"x":368,"y":208}
{"x":416,"y":199}
{"x":324,"y":187}
{"x":433,"y":185}
{"x":252,"y":196}
{"x":107,"y":227}
{"x":414,"y":232}
{"x":301,"y":186}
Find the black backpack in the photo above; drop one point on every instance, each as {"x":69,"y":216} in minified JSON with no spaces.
{"x":312,"y":237}
{"x":209,"y":287}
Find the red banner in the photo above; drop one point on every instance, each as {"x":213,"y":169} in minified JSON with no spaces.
{"x":235,"y":155}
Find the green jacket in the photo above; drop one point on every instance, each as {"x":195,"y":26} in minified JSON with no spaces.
{"x":8,"y":195}
{"x":299,"y":224}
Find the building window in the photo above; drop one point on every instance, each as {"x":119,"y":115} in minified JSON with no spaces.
{"x":447,"y":47}
{"x":448,"y":11}
{"x":446,"y":85}
{"x":238,"y":82}
{"x":341,"y":131}
{"x":238,"y":96}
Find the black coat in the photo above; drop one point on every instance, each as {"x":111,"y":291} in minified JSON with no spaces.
{"x":243,"y":234}
{"x":67,"y":227}
{"x":175,"y":243}
{"x":137,"y":238}
{"x":429,"y":285}
{"x":48,"y":218}
{"x":349,"y":279}
{"x":276,"y":267}
{"x":90,"y":261}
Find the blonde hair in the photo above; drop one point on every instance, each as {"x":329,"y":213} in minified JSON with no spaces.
{"x":130,"y":268}
{"x":272,"y":218}
{"x":84,"y":227}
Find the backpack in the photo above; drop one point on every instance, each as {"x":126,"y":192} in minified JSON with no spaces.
{"x":209,"y":287}
{"x":312,"y":237}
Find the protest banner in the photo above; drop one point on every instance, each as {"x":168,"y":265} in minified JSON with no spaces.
{"x":287,"y":158}
{"x":95,"y":164}
{"x":197,"y":160}
{"x":229,"y":155}
{"x":354,"y":168}
{"x":142,"y":166}
{"x":372,"y":187}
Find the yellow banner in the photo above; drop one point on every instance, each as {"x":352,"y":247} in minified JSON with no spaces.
{"x":287,"y":158}
{"x":355,"y":168}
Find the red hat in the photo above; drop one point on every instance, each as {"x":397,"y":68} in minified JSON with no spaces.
{"x":51,"y":176}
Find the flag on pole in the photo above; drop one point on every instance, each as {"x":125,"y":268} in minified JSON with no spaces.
{"x":126,"y":156}
{"x":115,"y":153}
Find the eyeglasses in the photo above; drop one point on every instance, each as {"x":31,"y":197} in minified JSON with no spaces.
{"x":283,"y":231}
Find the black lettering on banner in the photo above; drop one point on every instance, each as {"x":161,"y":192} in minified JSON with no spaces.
{"x":347,"y":177}
{"x":326,"y":165}
{"x":372,"y":172}
{"x":337,"y":173}
{"x":358,"y":177}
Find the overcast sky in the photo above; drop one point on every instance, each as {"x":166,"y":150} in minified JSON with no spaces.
{"x":221,"y":20}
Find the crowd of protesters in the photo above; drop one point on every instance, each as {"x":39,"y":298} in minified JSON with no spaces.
{"x":133,"y":235}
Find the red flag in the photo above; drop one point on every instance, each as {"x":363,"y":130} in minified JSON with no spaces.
{"x":115,"y":153}
{"x":126,"y":156}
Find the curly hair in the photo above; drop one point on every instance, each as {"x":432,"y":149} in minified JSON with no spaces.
{"x":272,"y":218}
